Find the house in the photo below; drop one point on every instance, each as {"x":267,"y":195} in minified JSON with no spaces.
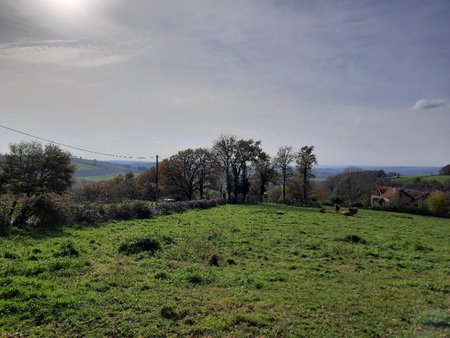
{"x":386,"y":195}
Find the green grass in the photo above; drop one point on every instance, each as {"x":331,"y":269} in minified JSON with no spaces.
{"x":430,"y":178}
{"x":232,"y":271}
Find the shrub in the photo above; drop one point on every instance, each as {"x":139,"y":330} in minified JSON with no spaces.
{"x":5,"y":219}
{"x":51,"y":211}
{"x":437,"y":202}
{"x":169,"y":208}
{"x":88,"y":214}
{"x":140,"y":209}
{"x":122,"y":211}
{"x":140,"y":244}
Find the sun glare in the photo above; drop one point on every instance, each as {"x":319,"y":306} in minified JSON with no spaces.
{"x":70,"y":7}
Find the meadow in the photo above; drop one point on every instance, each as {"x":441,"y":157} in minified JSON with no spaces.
{"x":231,"y":271}
{"x":95,"y":171}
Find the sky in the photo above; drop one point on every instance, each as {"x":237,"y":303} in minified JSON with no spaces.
{"x":365,"y":82}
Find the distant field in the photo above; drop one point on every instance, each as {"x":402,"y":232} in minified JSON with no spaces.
{"x":94,"y":171}
{"x":429,"y":178}
{"x":233,"y":271}
{"x":97,"y":178}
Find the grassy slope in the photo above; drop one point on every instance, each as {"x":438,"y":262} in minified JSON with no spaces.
{"x":92,"y":171}
{"x":283,"y":271}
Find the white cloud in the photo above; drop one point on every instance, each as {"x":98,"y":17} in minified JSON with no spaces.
{"x":71,"y":52}
{"x":429,"y":104}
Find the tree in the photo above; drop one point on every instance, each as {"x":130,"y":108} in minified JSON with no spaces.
{"x":146,"y":185}
{"x":33,"y":171}
{"x":306,"y":159}
{"x":264,"y":173}
{"x":285,"y":156}
{"x":233,"y":156}
{"x":354,"y":185}
{"x":445,"y":170}
{"x":437,"y":202}
{"x":185,"y":173}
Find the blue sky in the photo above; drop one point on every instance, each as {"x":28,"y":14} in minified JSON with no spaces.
{"x":366,"y":82}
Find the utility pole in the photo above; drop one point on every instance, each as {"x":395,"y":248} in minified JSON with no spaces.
{"x":157,"y":180}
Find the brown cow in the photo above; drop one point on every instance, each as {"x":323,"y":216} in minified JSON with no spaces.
{"x":352,"y":211}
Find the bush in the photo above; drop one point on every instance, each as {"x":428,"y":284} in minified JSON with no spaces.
{"x":51,"y":211}
{"x":88,"y":214}
{"x":5,"y":219}
{"x":140,"y":244}
{"x":169,"y":208}
{"x":120,"y":211}
{"x":140,"y":209}
{"x":438,"y":203}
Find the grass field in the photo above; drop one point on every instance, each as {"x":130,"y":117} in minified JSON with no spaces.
{"x":94,"y":171}
{"x":429,"y":178}
{"x":233,"y":271}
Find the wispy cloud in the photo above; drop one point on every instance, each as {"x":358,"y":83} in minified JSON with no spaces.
{"x":72,"y":52}
{"x":430,"y":104}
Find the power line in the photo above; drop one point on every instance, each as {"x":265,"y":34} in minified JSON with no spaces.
{"x":76,"y":148}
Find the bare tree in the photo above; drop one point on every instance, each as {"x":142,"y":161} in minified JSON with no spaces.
{"x":306,"y":159}
{"x":264,"y":173}
{"x":186,"y":172}
{"x":285,"y":156}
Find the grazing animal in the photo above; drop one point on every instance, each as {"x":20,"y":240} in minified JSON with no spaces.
{"x":322,"y":210}
{"x":352,"y":211}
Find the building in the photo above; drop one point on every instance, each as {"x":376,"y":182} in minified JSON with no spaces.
{"x":386,"y":195}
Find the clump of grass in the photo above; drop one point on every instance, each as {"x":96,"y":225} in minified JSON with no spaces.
{"x":354,"y":239}
{"x":67,"y":249}
{"x":213,"y":260}
{"x":436,"y":287}
{"x":254,"y":320}
{"x":197,"y":276}
{"x":10,"y":255}
{"x":166,"y":239}
{"x":231,"y":261}
{"x":168,"y":312}
{"x":161,"y":275}
{"x":435,"y":319}
{"x":139,"y":244}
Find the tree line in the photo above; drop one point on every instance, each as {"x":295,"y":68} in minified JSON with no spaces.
{"x":236,"y":170}
{"x":232,"y":169}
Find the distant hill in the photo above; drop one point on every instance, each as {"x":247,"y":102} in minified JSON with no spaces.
{"x":425,"y":179}
{"x":94,"y":170}
{"x":323,"y":172}
{"x":137,"y":166}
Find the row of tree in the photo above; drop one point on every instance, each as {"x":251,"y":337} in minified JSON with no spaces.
{"x":236,"y":169}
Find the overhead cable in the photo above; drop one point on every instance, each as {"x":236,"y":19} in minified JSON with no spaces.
{"x":76,"y":148}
